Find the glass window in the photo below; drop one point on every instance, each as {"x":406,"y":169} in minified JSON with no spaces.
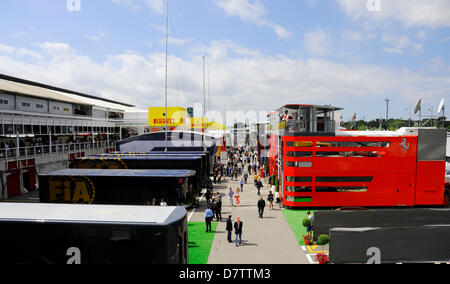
{"x":299,"y":154}
{"x":341,"y":189}
{"x":352,"y":144}
{"x":344,"y":179}
{"x":299,"y":199}
{"x":348,"y":154}
{"x":299,"y":144}
{"x":299,"y":179}
{"x":299,"y":188}
{"x":299,"y":164}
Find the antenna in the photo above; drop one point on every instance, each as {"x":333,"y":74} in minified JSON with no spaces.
{"x":418,"y":109}
{"x":441,"y":106}
{"x":442,"y":109}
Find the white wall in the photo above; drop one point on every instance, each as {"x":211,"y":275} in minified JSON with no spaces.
{"x":32,"y":104}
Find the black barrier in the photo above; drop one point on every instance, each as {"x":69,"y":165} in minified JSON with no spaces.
{"x":324,"y":220}
{"x":422,"y":244}
{"x":147,"y":162}
{"x":132,"y":187}
{"x":92,"y":234}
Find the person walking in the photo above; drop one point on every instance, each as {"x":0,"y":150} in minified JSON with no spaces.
{"x":208,"y":218}
{"x":231,"y":195}
{"x":310,"y":228}
{"x":245,"y":177}
{"x":238,"y":231}
{"x":208,"y":196}
{"x":237,"y":195}
{"x":261,"y":206}
{"x":241,"y":183}
{"x":258,"y":186}
{"x":270,"y":199}
{"x":229,"y":228}
{"x":218,"y":207}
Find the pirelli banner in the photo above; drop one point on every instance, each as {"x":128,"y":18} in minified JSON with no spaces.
{"x":177,"y":117}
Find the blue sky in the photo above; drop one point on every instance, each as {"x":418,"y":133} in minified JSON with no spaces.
{"x":261,"y":54}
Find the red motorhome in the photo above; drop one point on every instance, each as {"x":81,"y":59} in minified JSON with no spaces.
{"x":321,"y":166}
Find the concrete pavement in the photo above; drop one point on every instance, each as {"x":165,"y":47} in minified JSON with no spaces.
{"x":264,"y":241}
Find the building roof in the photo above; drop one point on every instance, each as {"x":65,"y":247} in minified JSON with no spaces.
{"x":34,"y":91}
{"x":124,"y":173}
{"x":297,"y":106}
{"x":72,"y":213}
{"x":47,"y":91}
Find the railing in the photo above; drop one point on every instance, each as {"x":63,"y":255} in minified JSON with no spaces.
{"x":52,"y":153}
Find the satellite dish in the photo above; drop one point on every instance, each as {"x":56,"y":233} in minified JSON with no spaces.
{"x":418,"y":106}
{"x":441,"y":106}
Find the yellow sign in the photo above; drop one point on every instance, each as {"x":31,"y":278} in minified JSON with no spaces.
{"x":216,"y":126}
{"x":196,"y":123}
{"x":177,"y":116}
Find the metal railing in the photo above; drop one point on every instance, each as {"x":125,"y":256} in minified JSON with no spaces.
{"x":52,"y":153}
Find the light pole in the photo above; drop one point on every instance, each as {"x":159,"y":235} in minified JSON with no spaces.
{"x":387,"y":112}
{"x":204,"y":104}
{"x":167,"y":51}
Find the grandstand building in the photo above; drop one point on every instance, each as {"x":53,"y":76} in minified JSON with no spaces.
{"x":43,"y":127}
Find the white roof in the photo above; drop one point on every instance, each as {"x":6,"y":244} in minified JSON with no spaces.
{"x":401,"y":132}
{"x":34,"y":91}
{"x":41,"y":212}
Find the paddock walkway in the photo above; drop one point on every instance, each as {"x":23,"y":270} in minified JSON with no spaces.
{"x":265,"y":241}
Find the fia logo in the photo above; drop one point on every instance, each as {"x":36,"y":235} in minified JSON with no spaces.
{"x":405,"y":145}
{"x":73,"y":5}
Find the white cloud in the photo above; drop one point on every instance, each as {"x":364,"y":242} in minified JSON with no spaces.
{"x":249,"y":81}
{"x":253,"y":12}
{"x":128,"y":3}
{"x":6,"y":49}
{"x":156,"y":6}
{"x":410,"y":13}
{"x":29,"y":53}
{"x":318,"y":41}
{"x":400,"y":44}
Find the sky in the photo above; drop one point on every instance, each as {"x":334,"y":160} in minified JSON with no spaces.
{"x":260,"y":54}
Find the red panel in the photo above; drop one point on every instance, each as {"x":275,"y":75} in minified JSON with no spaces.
{"x":13,"y":184}
{"x":32,"y":173}
{"x":430,"y":183}
{"x":393,"y":173}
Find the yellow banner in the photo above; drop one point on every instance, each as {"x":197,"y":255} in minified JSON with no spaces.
{"x":177,"y":116}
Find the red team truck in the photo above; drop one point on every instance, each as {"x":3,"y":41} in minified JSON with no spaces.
{"x":321,"y":166}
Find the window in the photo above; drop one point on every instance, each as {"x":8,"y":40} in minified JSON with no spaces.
{"x":299,"y":179}
{"x":298,"y":188}
{"x":298,"y":199}
{"x":355,"y":144}
{"x":348,"y":154}
{"x":341,"y":189}
{"x":25,"y":104}
{"x":299,"y":154}
{"x":41,"y":106}
{"x":299,"y":164}
{"x":4,"y":102}
{"x":344,"y":179}
{"x":299,"y":144}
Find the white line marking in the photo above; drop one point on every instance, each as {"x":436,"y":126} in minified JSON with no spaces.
{"x":192,"y":213}
{"x":308,"y":256}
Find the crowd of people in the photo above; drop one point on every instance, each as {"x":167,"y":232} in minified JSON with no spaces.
{"x":241,"y":164}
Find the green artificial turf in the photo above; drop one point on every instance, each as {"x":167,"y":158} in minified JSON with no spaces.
{"x":200,"y":242}
{"x":295,"y":219}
